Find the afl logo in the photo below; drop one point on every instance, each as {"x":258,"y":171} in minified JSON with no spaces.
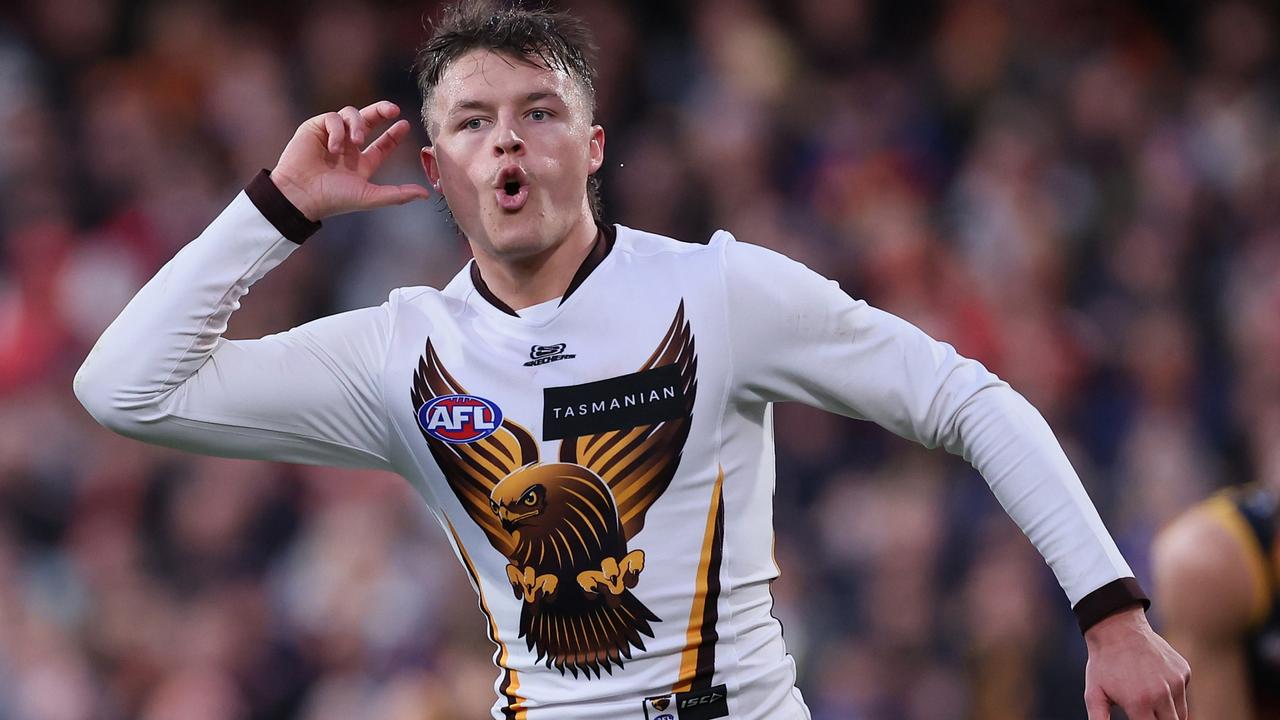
{"x":459,"y":419}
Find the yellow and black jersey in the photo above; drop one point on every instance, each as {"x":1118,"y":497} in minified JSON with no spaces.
{"x":1251,"y":514}
{"x":601,"y":462}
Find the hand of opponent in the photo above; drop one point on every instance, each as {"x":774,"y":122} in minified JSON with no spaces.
{"x":323,"y":171}
{"x":1133,"y":667}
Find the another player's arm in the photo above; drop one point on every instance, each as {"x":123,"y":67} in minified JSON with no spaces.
{"x":1210,"y":595}
{"x":162,"y":372}
{"x":797,"y":336}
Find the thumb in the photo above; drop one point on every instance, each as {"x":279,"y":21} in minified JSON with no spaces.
{"x":1098,"y":706}
{"x":382,"y":195}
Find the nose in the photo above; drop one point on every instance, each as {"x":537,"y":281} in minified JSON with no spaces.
{"x":507,"y":142}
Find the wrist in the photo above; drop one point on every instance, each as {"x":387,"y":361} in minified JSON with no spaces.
{"x":1124,"y":621}
{"x":296,"y":196}
{"x":278,"y":209}
{"x":1116,"y":595}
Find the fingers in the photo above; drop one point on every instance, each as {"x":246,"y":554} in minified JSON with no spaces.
{"x":381,"y":195}
{"x":386,"y":142}
{"x":360,"y":122}
{"x":1181,"y":691}
{"x":1180,"y":700}
{"x":377,"y":112}
{"x":355,"y":124}
{"x":1097,"y":705}
{"x":1167,"y":709}
{"x":1158,"y":705}
{"x":350,"y":125}
{"x":334,"y":132}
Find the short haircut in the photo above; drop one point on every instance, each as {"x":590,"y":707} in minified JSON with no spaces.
{"x":554,"y":40}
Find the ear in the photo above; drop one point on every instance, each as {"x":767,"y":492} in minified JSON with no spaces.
{"x":596,"y":149}
{"x":431,"y":167}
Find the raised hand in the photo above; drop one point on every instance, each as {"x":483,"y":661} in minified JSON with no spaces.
{"x":323,"y":171}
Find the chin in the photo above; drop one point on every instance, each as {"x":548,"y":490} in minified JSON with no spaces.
{"x":515,"y":237}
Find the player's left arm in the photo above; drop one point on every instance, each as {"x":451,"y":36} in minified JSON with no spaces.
{"x":798,"y":336}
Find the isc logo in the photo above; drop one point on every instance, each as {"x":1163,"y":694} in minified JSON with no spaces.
{"x":459,"y":418}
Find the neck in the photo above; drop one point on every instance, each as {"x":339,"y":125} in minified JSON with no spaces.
{"x":528,"y":280}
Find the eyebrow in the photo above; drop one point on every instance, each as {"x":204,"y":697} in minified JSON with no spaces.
{"x":482,"y":105}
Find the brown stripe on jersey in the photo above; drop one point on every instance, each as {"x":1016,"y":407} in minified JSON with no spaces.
{"x":515,"y":709}
{"x":698,"y":661}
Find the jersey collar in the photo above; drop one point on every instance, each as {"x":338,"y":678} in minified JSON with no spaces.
{"x":605,"y":237}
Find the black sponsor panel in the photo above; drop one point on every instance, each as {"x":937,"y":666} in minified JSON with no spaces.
{"x":642,"y":398}
{"x":703,"y":704}
{"x":706,"y":704}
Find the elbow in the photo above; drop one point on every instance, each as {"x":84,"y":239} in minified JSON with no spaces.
{"x":100,"y":398}
{"x":94,"y":395}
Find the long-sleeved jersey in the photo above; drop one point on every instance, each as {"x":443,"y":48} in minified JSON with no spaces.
{"x":602,"y":463}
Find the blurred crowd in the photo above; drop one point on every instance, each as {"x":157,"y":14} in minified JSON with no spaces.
{"x":1083,"y":194}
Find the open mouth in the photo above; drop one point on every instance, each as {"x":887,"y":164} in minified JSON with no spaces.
{"x":511,"y":188}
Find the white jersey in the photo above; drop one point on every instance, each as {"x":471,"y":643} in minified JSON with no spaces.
{"x":604,"y":465}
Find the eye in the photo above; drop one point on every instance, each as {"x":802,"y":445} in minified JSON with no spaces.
{"x":473,"y":124}
{"x":539,"y":115}
{"x":531,"y":499}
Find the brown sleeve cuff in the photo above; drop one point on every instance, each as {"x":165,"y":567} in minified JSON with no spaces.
{"x":1115,"y":595}
{"x":277,"y":209}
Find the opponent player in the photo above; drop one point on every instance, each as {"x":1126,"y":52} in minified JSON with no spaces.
{"x":585,"y":407}
{"x":1217,"y":567}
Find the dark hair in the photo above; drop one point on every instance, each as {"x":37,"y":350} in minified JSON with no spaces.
{"x":554,"y":40}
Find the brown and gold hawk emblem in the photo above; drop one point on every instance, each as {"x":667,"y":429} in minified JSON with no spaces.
{"x":564,"y":526}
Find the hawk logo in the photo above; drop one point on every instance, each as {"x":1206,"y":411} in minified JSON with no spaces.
{"x":459,"y":418}
{"x":564,"y":525}
{"x":543,"y":354}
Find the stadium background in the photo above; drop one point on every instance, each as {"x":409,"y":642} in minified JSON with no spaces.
{"x":1080,"y":193}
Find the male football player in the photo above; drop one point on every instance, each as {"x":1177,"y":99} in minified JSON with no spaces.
{"x":1218,"y":568}
{"x":585,"y":407}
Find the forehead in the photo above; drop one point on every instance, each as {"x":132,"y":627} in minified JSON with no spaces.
{"x":486,"y":75}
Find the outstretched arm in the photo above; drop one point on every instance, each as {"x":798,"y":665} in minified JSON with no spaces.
{"x":163,"y":373}
{"x":802,"y":338}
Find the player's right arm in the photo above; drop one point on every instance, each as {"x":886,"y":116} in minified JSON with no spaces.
{"x":1209,"y":596}
{"x":163,"y":373}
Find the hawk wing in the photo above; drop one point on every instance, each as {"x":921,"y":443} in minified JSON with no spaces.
{"x":638,"y":463}
{"x":472,"y":469}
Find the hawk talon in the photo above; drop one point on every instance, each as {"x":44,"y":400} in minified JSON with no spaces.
{"x":530,"y":586}
{"x":614,"y":576}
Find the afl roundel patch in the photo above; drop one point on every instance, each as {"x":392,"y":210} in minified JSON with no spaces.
{"x":459,"y":418}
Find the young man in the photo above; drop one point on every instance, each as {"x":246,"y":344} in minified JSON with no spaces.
{"x":585,"y":407}
{"x":1230,"y":543}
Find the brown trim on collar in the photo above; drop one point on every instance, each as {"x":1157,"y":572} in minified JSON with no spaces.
{"x":486,"y":293}
{"x":606,"y":235}
{"x":605,"y":238}
{"x":277,"y":209}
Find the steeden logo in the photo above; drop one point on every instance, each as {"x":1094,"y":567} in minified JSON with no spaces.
{"x":543,"y":354}
{"x":459,"y":419}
